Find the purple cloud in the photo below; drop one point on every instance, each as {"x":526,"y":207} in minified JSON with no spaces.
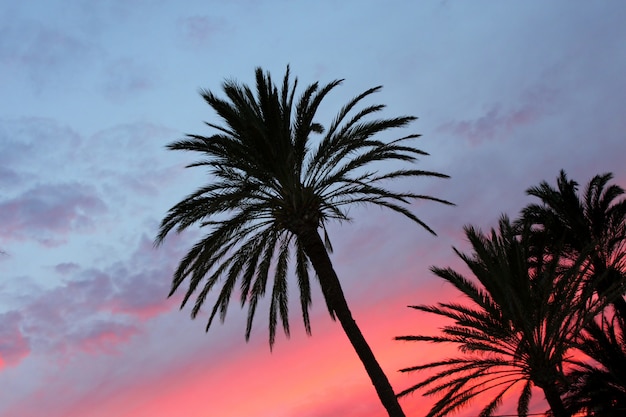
{"x":119,"y":161}
{"x":498,"y":122}
{"x":47,"y":213}
{"x":142,"y":295}
{"x":34,"y":150}
{"x":143,"y":284}
{"x":95,"y":309}
{"x":66,"y":268}
{"x":8,"y":177}
{"x":198,"y":30}
{"x":55,"y":313}
{"x":42,"y":53}
{"x":102,"y":337}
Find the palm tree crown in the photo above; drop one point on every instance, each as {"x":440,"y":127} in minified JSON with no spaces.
{"x":274,"y":186}
{"x":593,"y":223}
{"x":598,"y":387}
{"x":521,"y":320}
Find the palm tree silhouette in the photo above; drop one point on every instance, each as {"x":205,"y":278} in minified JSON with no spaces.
{"x":594,"y":223}
{"x":598,"y":387}
{"x":274,"y":188}
{"x":520,"y":319}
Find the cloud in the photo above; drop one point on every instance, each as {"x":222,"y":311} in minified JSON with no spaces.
{"x":47,"y":213}
{"x":43,"y":54}
{"x":125,"y":77}
{"x":13,"y":345}
{"x":143,"y":282}
{"x":498,"y":121}
{"x":66,"y":268}
{"x":117,"y":164}
{"x":35,"y":150}
{"x":7,"y":177}
{"x":70,"y":189}
{"x":198,"y":30}
{"x":133,"y":155}
{"x":95,"y":309}
{"x":143,"y":295}
{"x":103,"y":337}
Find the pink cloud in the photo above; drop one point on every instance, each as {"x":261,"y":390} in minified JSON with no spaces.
{"x":95,"y":310}
{"x":104,"y":337}
{"x":318,"y":376}
{"x":13,"y":345}
{"x":302,"y":376}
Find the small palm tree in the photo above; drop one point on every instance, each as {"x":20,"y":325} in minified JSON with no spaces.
{"x":598,"y":386}
{"x":519,"y":322}
{"x":274,"y":188}
{"x":595,"y":220}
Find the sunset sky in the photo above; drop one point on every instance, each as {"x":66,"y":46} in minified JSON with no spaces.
{"x":507,"y":94}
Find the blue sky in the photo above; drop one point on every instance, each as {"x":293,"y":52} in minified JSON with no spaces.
{"x":507,"y":94}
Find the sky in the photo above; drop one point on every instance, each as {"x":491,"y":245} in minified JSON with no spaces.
{"x":507,"y":95}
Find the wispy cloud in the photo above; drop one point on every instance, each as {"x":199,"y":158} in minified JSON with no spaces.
{"x":45,"y":55}
{"x":498,"y":121}
{"x":199,"y":31}
{"x":125,"y":77}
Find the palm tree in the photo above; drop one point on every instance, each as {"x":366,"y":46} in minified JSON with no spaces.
{"x":598,"y":385}
{"x":273,"y":190}
{"x":594,"y":220}
{"x":515,"y":330}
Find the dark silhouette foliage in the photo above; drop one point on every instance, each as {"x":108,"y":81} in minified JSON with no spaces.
{"x":277,"y":177}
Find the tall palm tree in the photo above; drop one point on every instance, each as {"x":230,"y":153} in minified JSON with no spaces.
{"x":596,"y":219}
{"x":598,"y":386}
{"x":515,"y":329}
{"x":273,"y":189}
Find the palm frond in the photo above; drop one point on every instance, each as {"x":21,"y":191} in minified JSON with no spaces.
{"x":520,"y":320}
{"x":277,"y":174}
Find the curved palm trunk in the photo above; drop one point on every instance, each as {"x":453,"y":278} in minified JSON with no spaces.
{"x":331,"y":288}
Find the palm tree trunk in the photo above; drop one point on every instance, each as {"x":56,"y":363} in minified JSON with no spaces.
{"x":331,"y":288}
{"x":554,"y":401}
